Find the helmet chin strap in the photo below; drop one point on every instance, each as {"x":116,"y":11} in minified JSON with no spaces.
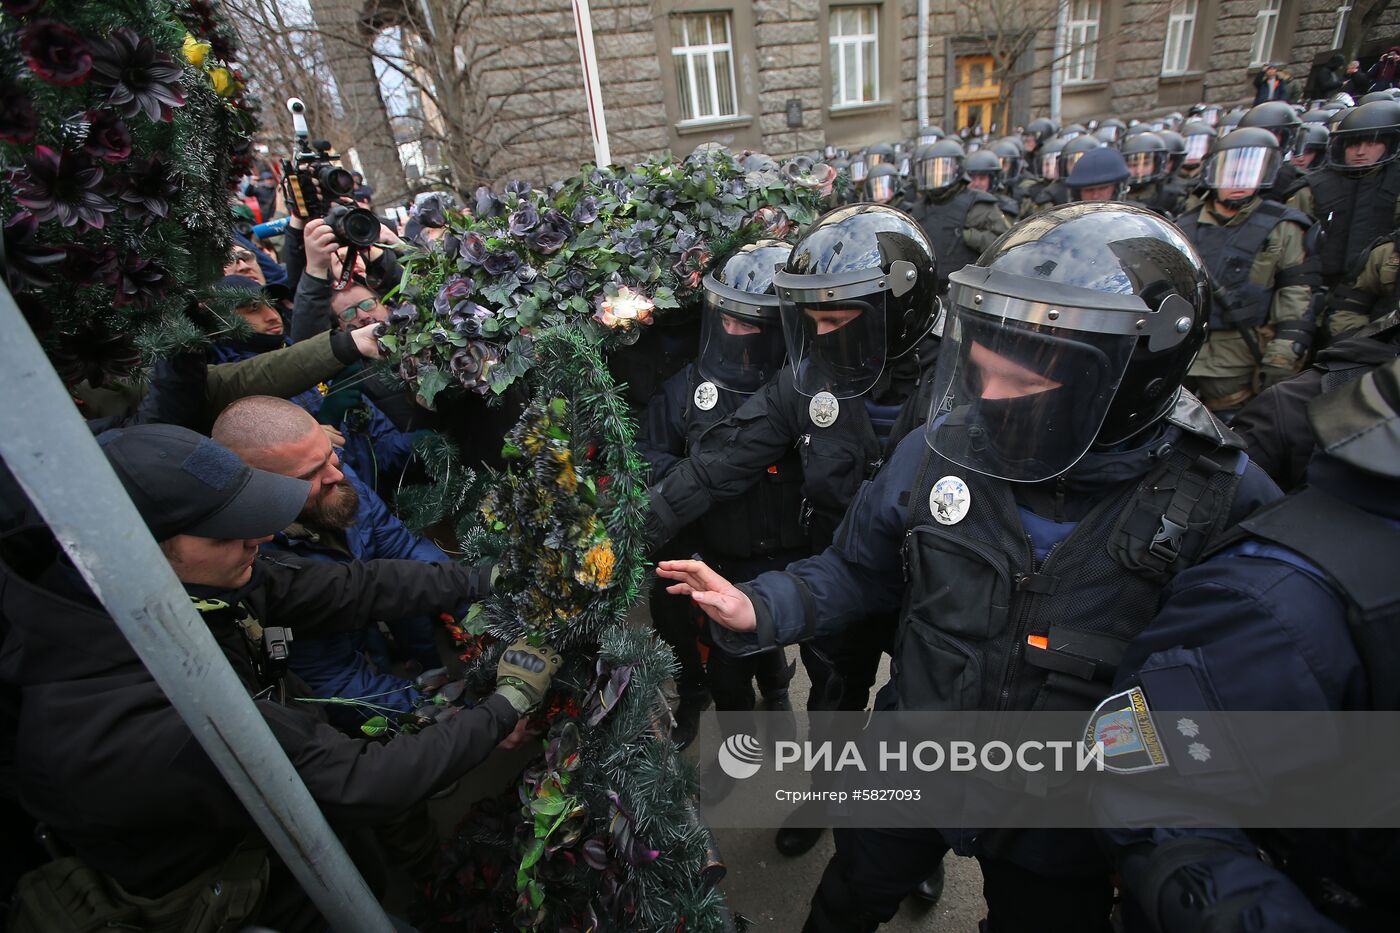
{"x":935,"y":325}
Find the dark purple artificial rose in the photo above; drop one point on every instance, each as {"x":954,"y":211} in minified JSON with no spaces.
{"x":150,"y":187}
{"x":517,"y":187}
{"x":523,"y":219}
{"x":29,"y":263}
{"x":487,"y":204}
{"x":142,"y":281}
{"x":403,"y":314}
{"x":108,"y":138}
{"x":473,"y":248}
{"x":142,"y":79}
{"x":573,"y":281}
{"x":56,"y":52}
{"x":502,"y":262}
{"x":586,"y":210}
{"x":63,"y":186}
{"x":17,"y":119}
{"x":553,"y":232}
{"x":471,"y":365}
{"x":467,"y":317}
{"x":526,"y":274}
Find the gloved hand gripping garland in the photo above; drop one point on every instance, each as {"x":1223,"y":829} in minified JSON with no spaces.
{"x":524,"y":672}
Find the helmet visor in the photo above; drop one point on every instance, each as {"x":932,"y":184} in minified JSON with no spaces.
{"x":1069,"y":159}
{"x":1144,"y":166}
{"x":1251,"y":168}
{"x":941,"y":172}
{"x":835,"y":346}
{"x":873,"y":159}
{"x":1021,"y":402}
{"x":1197,"y":145}
{"x":1361,"y":149}
{"x":1010,"y":165}
{"x":1050,"y":166}
{"x":858,"y":170}
{"x":881,"y":188}
{"x":737,"y":351}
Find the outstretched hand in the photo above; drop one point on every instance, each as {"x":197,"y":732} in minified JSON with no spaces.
{"x":716,"y":596}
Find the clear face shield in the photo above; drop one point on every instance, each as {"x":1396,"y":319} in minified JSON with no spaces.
{"x":835,"y":326}
{"x":1050,"y":166}
{"x":739,"y":350}
{"x":1362,"y":149}
{"x":1197,"y":146}
{"x":932,"y":174}
{"x":1144,"y":167}
{"x":1010,"y":166}
{"x":1023,"y":385}
{"x":1069,"y":159}
{"x":858,"y":170}
{"x":881,"y":188}
{"x":1252,"y":168}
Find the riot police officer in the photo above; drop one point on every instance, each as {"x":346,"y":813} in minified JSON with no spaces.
{"x":1279,"y":118}
{"x":1056,"y":192}
{"x":1310,"y":151}
{"x":1356,"y":194}
{"x":1047,"y":172}
{"x":883,"y":184}
{"x":1099,"y":176}
{"x":959,"y":220}
{"x":858,"y":382}
{"x":1074,"y":478}
{"x":1199,"y":139}
{"x":1367,"y":294}
{"x":1146,"y":155}
{"x":741,"y":350}
{"x":1295,"y":610}
{"x":985,"y":173}
{"x":1263,"y":277}
{"x":1036,"y":134}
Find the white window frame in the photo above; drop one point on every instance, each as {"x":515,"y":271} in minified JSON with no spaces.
{"x":1082,"y":28}
{"x":1343,"y":14}
{"x":1181,"y":31}
{"x":865,"y":47}
{"x":1265,"y":32}
{"x":699,"y":58}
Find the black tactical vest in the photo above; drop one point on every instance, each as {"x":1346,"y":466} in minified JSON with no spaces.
{"x":1356,"y":551}
{"x":1362,"y":210}
{"x":1229,"y":251}
{"x":975,"y":592}
{"x":836,"y":459}
{"x":944,"y":221}
{"x":1053,"y":194}
{"x":1157,"y":196}
{"x":763,"y":520}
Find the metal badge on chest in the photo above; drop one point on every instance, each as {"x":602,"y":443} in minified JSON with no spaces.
{"x":706,"y":395}
{"x":824,"y":409}
{"x":949,"y":500}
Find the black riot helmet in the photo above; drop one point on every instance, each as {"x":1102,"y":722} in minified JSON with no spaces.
{"x":1278,"y":117}
{"x":940,"y":166}
{"x":1112,"y":130}
{"x":1247,"y":159}
{"x":1037,"y":132}
{"x":1074,"y":330}
{"x":1366,"y":137}
{"x":858,"y":290}
{"x":1071,"y":131}
{"x":1209,"y":114}
{"x":882,"y":184}
{"x":1232,"y":119}
{"x":1146,"y":155}
{"x":1047,"y":158}
{"x":1074,"y":151}
{"x":741,"y":341}
{"x":1374,"y":96}
{"x":929,"y":134}
{"x":1310,"y":149}
{"x":1199,"y":138}
{"x":1176,"y":149}
{"x":1011,"y":157}
{"x":1316,"y":116}
{"x":984,"y":162}
{"x":879,"y":154}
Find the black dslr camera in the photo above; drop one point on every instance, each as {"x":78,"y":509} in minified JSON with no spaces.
{"x":317,"y":186}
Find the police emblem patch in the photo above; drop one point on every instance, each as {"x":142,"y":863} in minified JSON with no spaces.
{"x":949,"y":500}
{"x":706,"y":395}
{"x":1123,"y":727}
{"x":823,"y":409}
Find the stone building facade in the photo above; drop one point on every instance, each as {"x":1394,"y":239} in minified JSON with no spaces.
{"x":788,"y":76}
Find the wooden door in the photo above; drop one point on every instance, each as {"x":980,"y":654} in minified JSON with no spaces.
{"x":977,"y":94}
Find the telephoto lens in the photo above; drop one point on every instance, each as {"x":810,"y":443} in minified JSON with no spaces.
{"x":353,"y":226}
{"x":335,"y":181}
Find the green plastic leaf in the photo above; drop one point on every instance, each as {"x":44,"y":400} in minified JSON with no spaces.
{"x":390,"y":342}
{"x":664,"y":298}
{"x":549,"y":806}
{"x":431,"y":381}
{"x":375,"y":727}
{"x":532,"y":854}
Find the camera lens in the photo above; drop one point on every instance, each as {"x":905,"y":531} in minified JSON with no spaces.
{"x":337,"y":182}
{"x":353,"y":226}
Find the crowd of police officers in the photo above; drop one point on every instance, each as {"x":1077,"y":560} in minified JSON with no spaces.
{"x":976,"y":418}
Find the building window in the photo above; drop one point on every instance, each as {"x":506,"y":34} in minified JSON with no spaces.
{"x":1343,"y":12}
{"x":855,"y":55}
{"x":1181,"y":27}
{"x":703,"y":51}
{"x":1083,"y":28}
{"x":1265,"y":27}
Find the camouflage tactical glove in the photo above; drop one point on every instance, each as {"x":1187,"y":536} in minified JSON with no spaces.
{"x":1281,"y":361}
{"x":524,"y":672}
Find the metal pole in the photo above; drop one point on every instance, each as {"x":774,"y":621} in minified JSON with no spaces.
{"x":1058,"y":63}
{"x":54,"y":457}
{"x":921,"y":66}
{"x":592,"y":88}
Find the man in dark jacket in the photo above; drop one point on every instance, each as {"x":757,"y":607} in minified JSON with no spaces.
{"x":107,"y":763}
{"x":1052,"y":493}
{"x":1295,"y":611}
{"x":1268,"y":85}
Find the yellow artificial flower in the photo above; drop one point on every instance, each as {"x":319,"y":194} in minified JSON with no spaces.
{"x":223,"y":81}
{"x":195,"y":51}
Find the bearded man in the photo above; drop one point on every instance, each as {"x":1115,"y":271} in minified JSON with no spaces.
{"x":343,"y":520}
